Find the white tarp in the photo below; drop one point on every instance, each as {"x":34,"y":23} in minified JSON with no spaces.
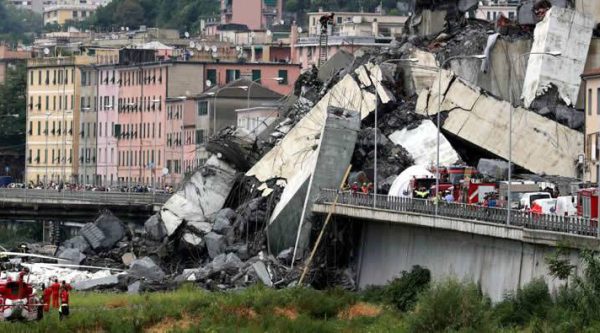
{"x":421,"y":143}
{"x":40,"y":273}
{"x":400,"y":185}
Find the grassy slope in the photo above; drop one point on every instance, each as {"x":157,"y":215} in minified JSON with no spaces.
{"x":192,"y":310}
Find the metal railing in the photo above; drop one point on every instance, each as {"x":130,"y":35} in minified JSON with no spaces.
{"x":565,"y":224}
{"x":88,"y":197}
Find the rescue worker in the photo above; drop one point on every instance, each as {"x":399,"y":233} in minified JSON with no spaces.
{"x":63,"y":311}
{"x":365,"y":188}
{"x":21,"y":282}
{"x":354,"y":188}
{"x":325,"y":20}
{"x":55,"y":286}
{"x":46,"y":296}
{"x":422,"y":193}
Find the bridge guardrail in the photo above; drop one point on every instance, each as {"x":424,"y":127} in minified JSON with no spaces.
{"x":28,"y":195}
{"x":565,"y":224}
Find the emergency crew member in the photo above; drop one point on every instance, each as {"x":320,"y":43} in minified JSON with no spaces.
{"x":55,"y":293}
{"x":46,"y":296}
{"x":63,"y":311}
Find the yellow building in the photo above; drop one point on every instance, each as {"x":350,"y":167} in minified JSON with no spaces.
{"x":592,"y":124}
{"x":68,"y":11}
{"x":53,"y":112}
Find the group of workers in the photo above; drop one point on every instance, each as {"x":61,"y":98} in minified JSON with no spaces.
{"x":56,"y":295}
{"x":365,"y":188}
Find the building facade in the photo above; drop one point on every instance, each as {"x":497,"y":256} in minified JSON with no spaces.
{"x":52,"y":120}
{"x":9,"y":57}
{"x":108,"y":119}
{"x":256,"y":14}
{"x":592,"y":125}
{"x":68,"y":10}
{"x":278,"y":77}
{"x":88,"y":125}
{"x":491,"y":10}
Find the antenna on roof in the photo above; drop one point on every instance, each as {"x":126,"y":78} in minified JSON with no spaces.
{"x":186,"y":34}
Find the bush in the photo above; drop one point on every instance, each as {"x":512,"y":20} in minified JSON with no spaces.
{"x":533,"y":301}
{"x":451,"y":306}
{"x":402,"y":291}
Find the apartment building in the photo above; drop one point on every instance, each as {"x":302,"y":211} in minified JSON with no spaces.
{"x":68,"y":10}
{"x":255,"y":14}
{"x":52,"y":120}
{"x":592,"y":125}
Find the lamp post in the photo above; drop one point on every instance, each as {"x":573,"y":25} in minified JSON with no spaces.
{"x":510,"y":129}
{"x":215,"y":94}
{"x":438,"y":120}
{"x":408,"y":60}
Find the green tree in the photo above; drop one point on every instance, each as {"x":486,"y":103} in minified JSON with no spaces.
{"x":130,"y":14}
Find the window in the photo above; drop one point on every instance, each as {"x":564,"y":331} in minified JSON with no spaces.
{"x":511,"y":15}
{"x":282,"y":74}
{"x":30,"y":79}
{"x":39,"y":78}
{"x":199,"y":136}
{"x":202,"y":108}
{"x":489,"y":16}
{"x":339,"y":20}
{"x":211,"y":75}
{"x":232,"y":75}
{"x":47,"y":102}
{"x":598,"y":101}
{"x":256,"y":75}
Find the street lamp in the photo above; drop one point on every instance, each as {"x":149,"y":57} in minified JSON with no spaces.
{"x":408,"y":60}
{"x":15,"y":115}
{"x":438,"y":120}
{"x":215,"y":94}
{"x":510,"y":128}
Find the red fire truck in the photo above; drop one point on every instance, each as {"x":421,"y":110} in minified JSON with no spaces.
{"x":587,"y":203}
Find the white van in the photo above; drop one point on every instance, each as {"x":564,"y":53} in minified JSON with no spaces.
{"x":528,"y":198}
{"x":565,"y":206}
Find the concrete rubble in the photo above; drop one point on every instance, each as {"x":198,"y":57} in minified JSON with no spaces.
{"x":245,"y":217}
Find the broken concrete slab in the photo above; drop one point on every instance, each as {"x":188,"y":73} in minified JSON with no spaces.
{"x":562,"y":30}
{"x":93,"y":235}
{"x":170,"y":221}
{"x":202,"y":195}
{"x":155,"y":229}
{"x":421,"y":143}
{"x":77,"y":242}
{"x":296,"y":151}
{"x":112,"y":228}
{"x":215,"y":244}
{"x":200,"y":227}
{"x":134,"y":288}
{"x":147,"y":269}
{"x":486,"y":126}
{"x":261,"y":272}
{"x":221,"y":225}
{"x":291,"y":219}
{"x":74,"y":256}
{"x":339,"y":61}
{"x":227,"y":262}
{"x":99,"y":283}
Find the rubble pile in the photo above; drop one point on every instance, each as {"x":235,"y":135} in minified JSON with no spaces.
{"x":245,"y":217}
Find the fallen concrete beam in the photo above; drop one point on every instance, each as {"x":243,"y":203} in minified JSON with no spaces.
{"x":566,"y":31}
{"x":296,"y":150}
{"x":540,"y":145}
{"x":201,"y":197}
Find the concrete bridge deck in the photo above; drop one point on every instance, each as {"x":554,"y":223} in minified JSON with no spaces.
{"x":77,"y":206}
{"x":464,"y":242}
{"x":526,"y":227}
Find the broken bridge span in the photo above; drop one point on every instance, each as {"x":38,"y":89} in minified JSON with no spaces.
{"x":463,"y":241}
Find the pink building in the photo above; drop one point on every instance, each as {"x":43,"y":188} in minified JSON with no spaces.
{"x":141,"y":146}
{"x":174,"y":136}
{"x":256,"y":14}
{"x":108,"y":118}
{"x":279,"y":77}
